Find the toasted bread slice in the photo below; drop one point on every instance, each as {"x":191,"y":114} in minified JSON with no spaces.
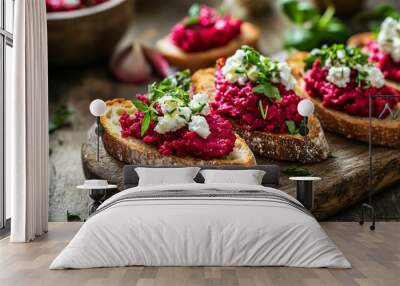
{"x":249,"y":36}
{"x":360,"y":40}
{"x":285,"y":147}
{"x":385,"y":132}
{"x":135,"y":151}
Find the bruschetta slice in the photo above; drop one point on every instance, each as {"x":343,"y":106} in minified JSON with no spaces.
{"x":262,"y":109}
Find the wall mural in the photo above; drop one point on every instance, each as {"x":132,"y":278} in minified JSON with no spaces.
{"x":206,"y":86}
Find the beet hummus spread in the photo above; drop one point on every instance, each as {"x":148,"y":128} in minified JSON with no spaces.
{"x":184,"y":142}
{"x":343,"y":80}
{"x":175,"y":125}
{"x":257,"y":93}
{"x":389,"y":68}
{"x":385,"y":51}
{"x":204,"y":29}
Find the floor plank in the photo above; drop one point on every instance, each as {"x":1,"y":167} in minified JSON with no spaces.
{"x":375,"y":257}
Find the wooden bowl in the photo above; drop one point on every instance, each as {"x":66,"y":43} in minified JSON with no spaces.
{"x":87,"y":35}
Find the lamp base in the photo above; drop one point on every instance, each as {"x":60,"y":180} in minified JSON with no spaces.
{"x":371,"y":210}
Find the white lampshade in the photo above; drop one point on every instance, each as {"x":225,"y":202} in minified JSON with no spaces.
{"x":97,"y":107}
{"x":305,"y":107}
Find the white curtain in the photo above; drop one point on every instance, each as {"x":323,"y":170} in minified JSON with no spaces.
{"x":27,"y":124}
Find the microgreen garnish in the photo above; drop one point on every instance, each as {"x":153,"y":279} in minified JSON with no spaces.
{"x":176,"y":85}
{"x":145,"y":123}
{"x":339,"y":55}
{"x":291,"y":125}
{"x":193,"y":15}
{"x":267,"y":70}
{"x":351,"y":56}
{"x":269,"y":90}
{"x":149,"y":113}
{"x":168,"y":102}
{"x":263,"y":112}
{"x":300,"y":171}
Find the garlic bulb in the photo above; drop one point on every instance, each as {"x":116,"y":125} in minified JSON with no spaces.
{"x":134,"y":63}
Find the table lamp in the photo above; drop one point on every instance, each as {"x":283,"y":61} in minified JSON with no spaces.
{"x":305,"y":109}
{"x":97,"y":108}
{"x":304,"y":190}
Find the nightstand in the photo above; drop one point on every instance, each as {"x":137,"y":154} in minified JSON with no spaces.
{"x":97,"y":192}
{"x":304,"y":191}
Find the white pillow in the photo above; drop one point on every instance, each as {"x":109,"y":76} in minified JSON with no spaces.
{"x":248,"y":177}
{"x":166,"y":176}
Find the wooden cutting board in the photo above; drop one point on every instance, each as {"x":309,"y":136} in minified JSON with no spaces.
{"x":344,"y":177}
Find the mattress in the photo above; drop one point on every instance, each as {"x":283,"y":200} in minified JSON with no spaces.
{"x":201,"y":225}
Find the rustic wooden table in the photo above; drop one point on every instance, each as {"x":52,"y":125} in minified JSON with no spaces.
{"x":77,"y":87}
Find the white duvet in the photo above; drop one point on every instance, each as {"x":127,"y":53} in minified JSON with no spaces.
{"x":204,"y":231}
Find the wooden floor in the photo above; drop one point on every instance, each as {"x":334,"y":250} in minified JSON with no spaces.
{"x":375,"y":257}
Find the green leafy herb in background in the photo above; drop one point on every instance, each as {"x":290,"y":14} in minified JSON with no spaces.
{"x":73,"y":216}
{"x":373,"y":18}
{"x":300,"y":171}
{"x":309,"y":28}
{"x":60,"y":118}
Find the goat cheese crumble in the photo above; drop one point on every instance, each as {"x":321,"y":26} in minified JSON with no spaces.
{"x":340,"y":61}
{"x":339,"y":76}
{"x":389,"y":38}
{"x":176,"y":115}
{"x":199,"y":125}
{"x":249,"y":65}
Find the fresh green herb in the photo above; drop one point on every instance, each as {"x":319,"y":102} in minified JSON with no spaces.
{"x":60,"y":118}
{"x":310,"y":29}
{"x":194,"y":13}
{"x":191,"y":21}
{"x":145,"y":124}
{"x":140,"y":105}
{"x":263,"y":112}
{"x":300,"y":171}
{"x":291,"y":125}
{"x":269,"y":90}
{"x":150,"y":113}
{"x":267,"y":69}
{"x":351,"y":57}
{"x":177,"y":86}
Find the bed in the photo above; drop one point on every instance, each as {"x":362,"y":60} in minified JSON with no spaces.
{"x":198,"y":224}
